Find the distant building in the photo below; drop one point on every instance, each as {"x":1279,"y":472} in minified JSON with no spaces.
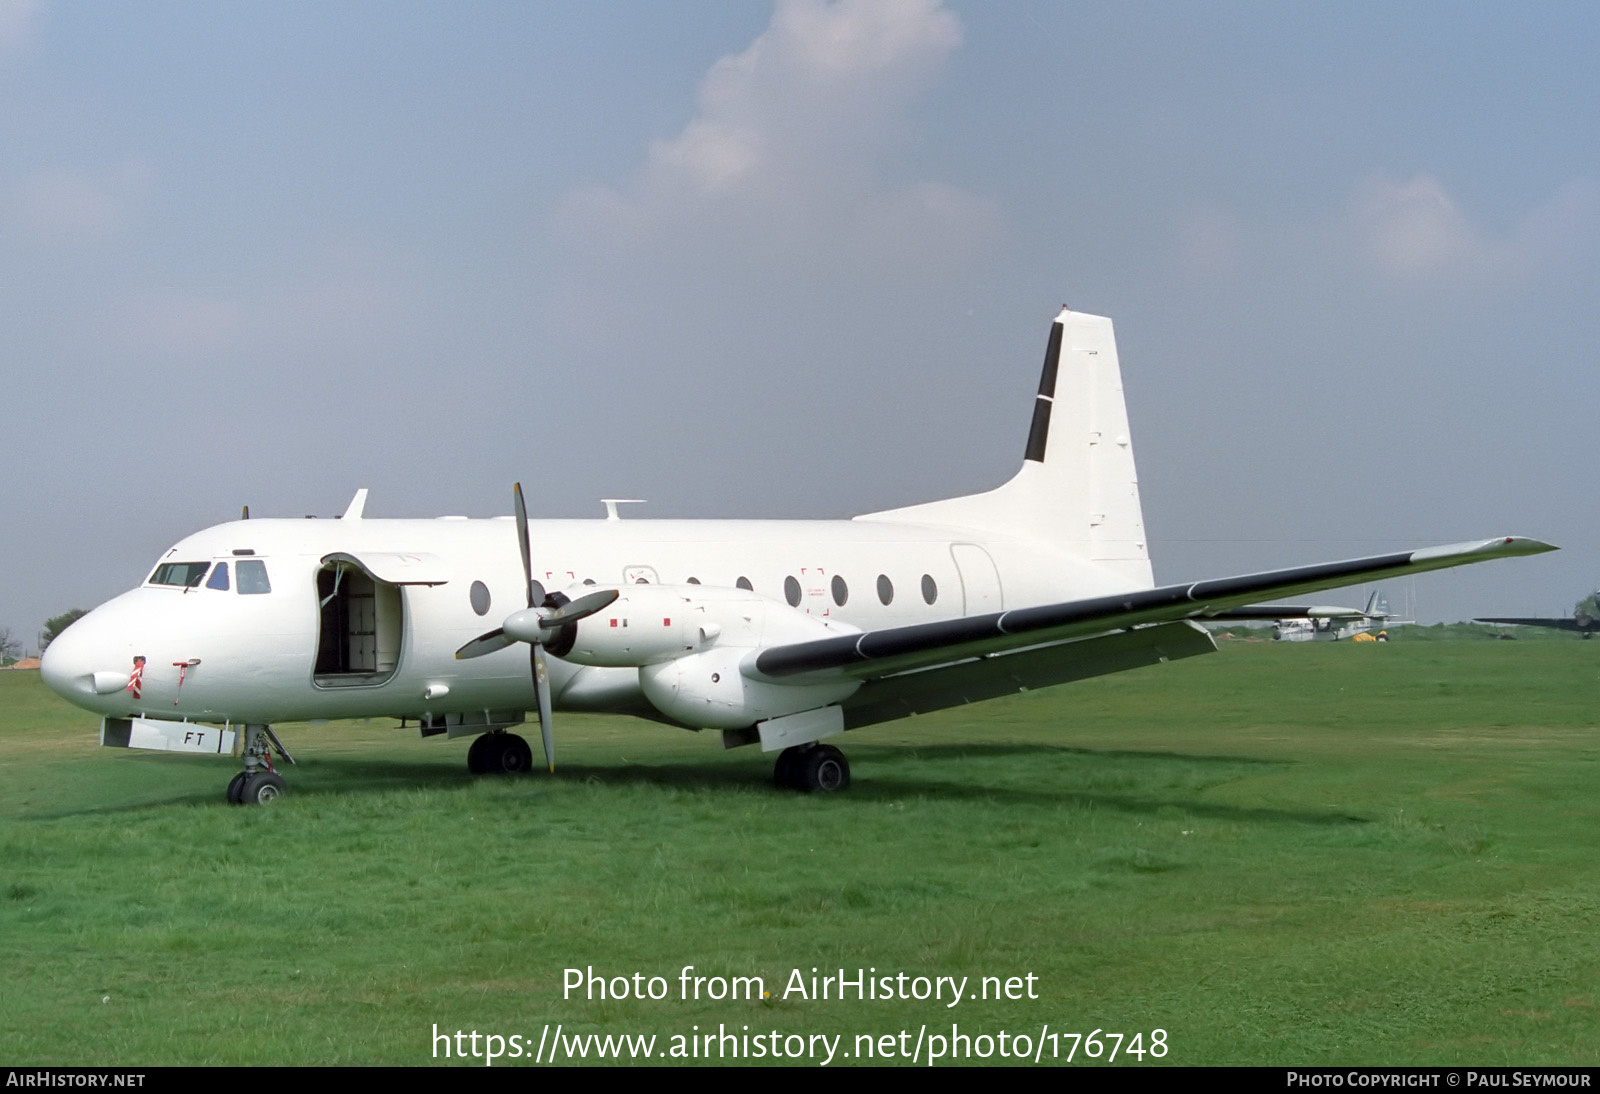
{"x":25,"y":663}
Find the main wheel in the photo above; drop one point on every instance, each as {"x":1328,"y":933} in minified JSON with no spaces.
{"x":516,"y":757}
{"x":822,"y":768}
{"x":783,"y":771}
{"x":260,"y":788}
{"x":235,"y":788}
{"x":484,"y":754}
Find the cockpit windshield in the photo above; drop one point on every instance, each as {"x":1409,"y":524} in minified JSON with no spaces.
{"x":186,"y":574}
{"x":251,"y":574}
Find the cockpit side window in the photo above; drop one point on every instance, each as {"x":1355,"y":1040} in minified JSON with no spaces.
{"x":253,"y":576}
{"x":219,"y":577}
{"x":184,"y":574}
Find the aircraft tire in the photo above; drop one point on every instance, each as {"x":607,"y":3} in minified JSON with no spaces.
{"x":515,"y":756}
{"x":823,"y":769}
{"x":783,"y":772}
{"x":236,"y":788}
{"x":261,"y":788}
{"x":484,"y":754}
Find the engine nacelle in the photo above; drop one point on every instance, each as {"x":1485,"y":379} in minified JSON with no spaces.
{"x":707,"y":690}
{"x":688,"y":642}
{"x":653,"y":624}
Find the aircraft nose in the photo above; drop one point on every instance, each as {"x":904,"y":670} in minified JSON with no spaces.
{"x":68,"y":666}
{"x":60,"y":664}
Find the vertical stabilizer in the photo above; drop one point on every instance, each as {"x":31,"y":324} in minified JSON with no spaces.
{"x":1077,"y":487}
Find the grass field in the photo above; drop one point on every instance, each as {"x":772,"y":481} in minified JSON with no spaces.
{"x":1314,"y":854}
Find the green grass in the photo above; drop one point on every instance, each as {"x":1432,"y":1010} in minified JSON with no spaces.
{"x":1312,"y":854}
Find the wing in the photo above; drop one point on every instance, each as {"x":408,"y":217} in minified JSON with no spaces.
{"x":929,"y":666}
{"x":1557,"y":624}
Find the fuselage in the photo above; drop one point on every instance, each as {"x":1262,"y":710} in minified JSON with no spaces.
{"x":267,"y":621}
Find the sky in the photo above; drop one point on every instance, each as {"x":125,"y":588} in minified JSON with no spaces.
{"x":799,"y":260}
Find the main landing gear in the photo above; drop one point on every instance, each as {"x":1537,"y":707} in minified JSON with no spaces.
{"x":811,"y":767}
{"x":258,"y":784}
{"x":499,"y":753}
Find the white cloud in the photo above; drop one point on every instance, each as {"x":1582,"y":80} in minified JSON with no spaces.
{"x":791,"y":143}
{"x":346,"y":303}
{"x":15,"y":15}
{"x":78,"y":204}
{"x":177,"y":323}
{"x":1415,"y":231}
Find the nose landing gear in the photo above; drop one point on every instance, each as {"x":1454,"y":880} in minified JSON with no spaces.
{"x":258,"y":784}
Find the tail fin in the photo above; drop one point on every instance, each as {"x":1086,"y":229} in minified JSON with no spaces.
{"x":1077,"y":487}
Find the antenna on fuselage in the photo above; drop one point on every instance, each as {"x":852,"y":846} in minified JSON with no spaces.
{"x":612,"y":503}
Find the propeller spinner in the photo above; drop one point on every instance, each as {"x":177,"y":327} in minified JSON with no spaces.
{"x":536,"y":624}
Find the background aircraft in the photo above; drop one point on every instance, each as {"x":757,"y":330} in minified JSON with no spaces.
{"x":1585,"y":618}
{"x":1334,"y":624}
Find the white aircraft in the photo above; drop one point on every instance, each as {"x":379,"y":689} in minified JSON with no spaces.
{"x":778,"y":633}
{"x":1324,"y":624}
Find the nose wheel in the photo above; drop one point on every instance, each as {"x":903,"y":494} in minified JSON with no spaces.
{"x":258,"y":784}
{"x":257,"y":788}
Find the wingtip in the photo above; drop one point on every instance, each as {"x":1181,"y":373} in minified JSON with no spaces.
{"x":1522,"y":545}
{"x":1499,"y":547}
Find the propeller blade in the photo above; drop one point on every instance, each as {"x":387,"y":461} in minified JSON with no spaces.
{"x":581,"y":608}
{"x":521,"y":510}
{"x":541,"y":685}
{"x":529,"y":627}
{"x":496,"y":639}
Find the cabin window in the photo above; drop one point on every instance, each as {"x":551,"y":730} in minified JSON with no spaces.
{"x":791,"y":591}
{"x":253,"y":576}
{"x":479,"y":597}
{"x":185,"y":574}
{"x":744,"y":583}
{"x":694,"y":581}
{"x":930,"y":589}
{"x":841,"y":591}
{"x":219,"y":577}
{"x":885,"y":589}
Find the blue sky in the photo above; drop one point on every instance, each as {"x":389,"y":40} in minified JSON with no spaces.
{"x":798,"y":260}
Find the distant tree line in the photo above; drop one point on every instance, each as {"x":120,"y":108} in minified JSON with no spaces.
{"x":56,"y":624}
{"x":11,"y":646}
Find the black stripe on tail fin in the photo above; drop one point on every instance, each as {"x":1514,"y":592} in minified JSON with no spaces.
{"x":1039,"y":432}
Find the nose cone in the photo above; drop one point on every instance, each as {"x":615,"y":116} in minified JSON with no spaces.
{"x":67,"y":665}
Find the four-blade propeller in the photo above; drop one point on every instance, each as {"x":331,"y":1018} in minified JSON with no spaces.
{"x":536,"y":624}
